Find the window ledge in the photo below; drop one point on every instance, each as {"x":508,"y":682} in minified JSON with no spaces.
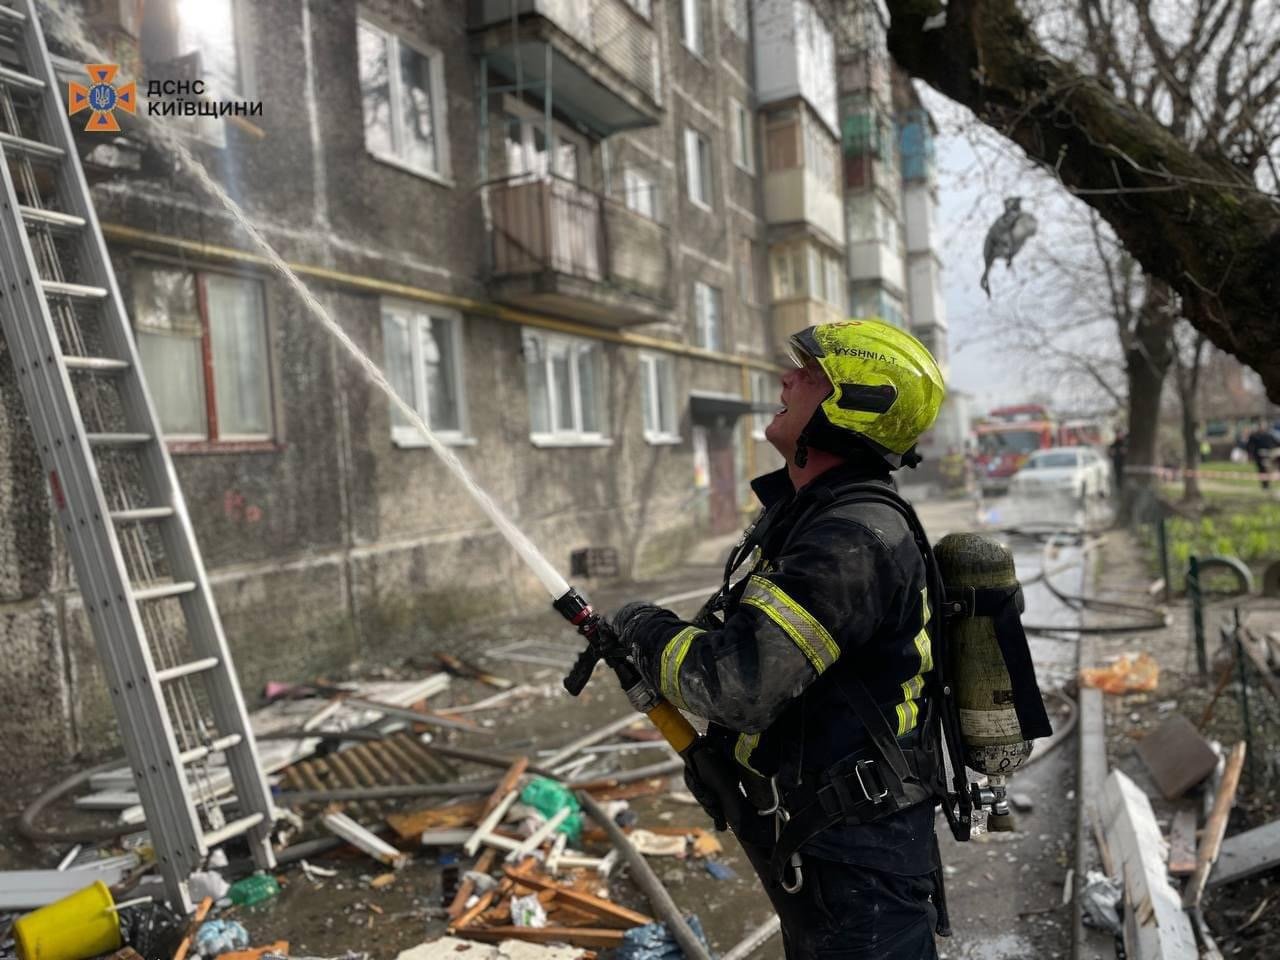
{"x":223,"y":446}
{"x":568,"y":440}
{"x":701,"y":204}
{"x":751,"y":171}
{"x":663,"y":439}
{"x":416,"y":441}
{"x":394,"y":161}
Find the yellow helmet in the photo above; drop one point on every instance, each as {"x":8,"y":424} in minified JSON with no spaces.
{"x":887,"y":388}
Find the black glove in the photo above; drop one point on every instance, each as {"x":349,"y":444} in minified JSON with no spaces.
{"x":701,"y":769}
{"x":629,"y":621}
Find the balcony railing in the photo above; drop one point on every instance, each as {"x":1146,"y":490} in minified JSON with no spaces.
{"x":557,"y":245}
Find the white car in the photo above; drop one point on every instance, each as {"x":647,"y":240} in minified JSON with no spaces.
{"x":1078,"y":472}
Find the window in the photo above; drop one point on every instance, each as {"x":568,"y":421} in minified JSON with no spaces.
{"x":402,"y":92}
{"x":744,"y":143}
{"x":746,"y":270}
{"x":697,"y":167}
{"x":691,"y":24}
{"x":564,"y":379}
{"x":422,"y":349}
{"x":192,"y":323}
{"x":782,"y":141}
{"x":707,"y":316}
{"x":835,"y":281}
{"x":657,"y":398}
{"x":764,"y":389}
{"x":529,"y":150}
{"x":200,"y":40}
{"x":639,"y":192}
{"x":819,"y":152}
{"x":788,"y":272}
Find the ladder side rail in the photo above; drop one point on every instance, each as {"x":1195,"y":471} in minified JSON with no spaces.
{"x":203,"y":624}
{"x":109,"y":606}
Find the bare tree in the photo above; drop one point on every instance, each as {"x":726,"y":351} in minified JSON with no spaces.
{"x":1168,"y":132}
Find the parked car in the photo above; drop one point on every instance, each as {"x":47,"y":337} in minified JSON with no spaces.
{"x":1079,"y":472}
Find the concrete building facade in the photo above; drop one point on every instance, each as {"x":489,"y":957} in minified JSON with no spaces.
{"x":551,"y":223}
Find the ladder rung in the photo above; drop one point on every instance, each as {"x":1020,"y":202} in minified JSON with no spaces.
{"x":32,"y":148}
{"x":58,"y":288}
{"x":140,"y":514}
{"x":164,"y":590}
{"x":215,"y":746}
{"x":117,"y":439}
{"x":233,"y":829}
{"x":12,"y":16}
{"x":96,"y":364}
{"x":51,"y":218}
{"x":186,"y":669}
{"x":20,"y":80}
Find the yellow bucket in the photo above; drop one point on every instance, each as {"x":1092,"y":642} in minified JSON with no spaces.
{"x":77,"y":926}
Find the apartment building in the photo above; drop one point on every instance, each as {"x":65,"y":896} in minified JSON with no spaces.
{"x":575,"y":236}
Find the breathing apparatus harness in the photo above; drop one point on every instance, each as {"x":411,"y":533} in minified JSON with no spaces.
{"x":861,"y":789}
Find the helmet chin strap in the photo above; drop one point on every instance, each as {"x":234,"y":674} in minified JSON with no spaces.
{"x":802,"y":450}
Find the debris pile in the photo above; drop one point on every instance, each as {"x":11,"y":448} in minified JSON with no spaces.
{"x":380,"y":799}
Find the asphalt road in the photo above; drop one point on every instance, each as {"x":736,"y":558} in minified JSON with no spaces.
{"x":1005,"y":890}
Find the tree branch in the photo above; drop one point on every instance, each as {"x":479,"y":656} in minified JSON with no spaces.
{"x":1215,"y":238}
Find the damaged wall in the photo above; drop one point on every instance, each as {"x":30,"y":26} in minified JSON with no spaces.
{"x":329,"y":543}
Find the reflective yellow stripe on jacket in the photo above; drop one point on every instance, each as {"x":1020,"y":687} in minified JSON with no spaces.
{"x":908,"y":710}
{"x":805,"y":632}
{"x":672,"y":657}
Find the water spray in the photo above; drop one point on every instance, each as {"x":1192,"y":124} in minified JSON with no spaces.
{"x":602,"y":642}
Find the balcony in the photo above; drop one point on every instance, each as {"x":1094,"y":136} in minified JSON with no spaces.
{"x":874,"y":261}
{"x":599,"y":57}
{"x":792,"y":316}
{"x":560,"y":248}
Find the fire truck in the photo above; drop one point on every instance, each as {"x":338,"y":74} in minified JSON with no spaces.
{"x":1006,"y":437}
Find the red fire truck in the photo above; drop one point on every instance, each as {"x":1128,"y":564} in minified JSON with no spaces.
{"x":1006,"y":437}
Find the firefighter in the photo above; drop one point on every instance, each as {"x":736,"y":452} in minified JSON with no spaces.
{"x":815,"y":652}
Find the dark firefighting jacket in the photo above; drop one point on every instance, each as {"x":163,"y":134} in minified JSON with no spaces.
{"x":837,"y":585}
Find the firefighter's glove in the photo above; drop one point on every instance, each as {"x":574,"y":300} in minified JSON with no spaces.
{"x":630,"y":623}
{"x":707,"y":798}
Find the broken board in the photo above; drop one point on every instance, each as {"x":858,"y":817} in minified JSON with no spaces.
{"x":1182,"y":844}
{"x":1177,"y":756}
{"x":1155,"y":925}
{"x":1247,"y":854}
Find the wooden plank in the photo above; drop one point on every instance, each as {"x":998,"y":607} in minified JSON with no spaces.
{"x":1182,"y":843}
{"x":483,"y":865}
{"x":505,"y":785}
{"x":1155,"y":925}
{"x":411,"y":825}
{"x":577,"y":936}
{"x":1215,"y":827}
{"x":1246,"y":854}
{"x":607,"y":909}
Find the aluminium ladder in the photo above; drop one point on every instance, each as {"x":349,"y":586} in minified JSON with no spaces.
{"x":113,"y":487}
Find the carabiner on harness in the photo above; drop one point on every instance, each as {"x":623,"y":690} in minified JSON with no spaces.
{"x":781,"y":816}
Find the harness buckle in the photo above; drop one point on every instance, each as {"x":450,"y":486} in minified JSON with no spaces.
{"x":870,"y":767}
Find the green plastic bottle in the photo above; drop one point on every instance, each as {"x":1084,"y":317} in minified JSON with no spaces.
{"x":255,"y":889}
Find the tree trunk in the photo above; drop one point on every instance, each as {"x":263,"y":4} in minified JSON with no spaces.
{"x":1190,"y":446}
{"x":1187,"y":216}
{"x":1148,"y":353}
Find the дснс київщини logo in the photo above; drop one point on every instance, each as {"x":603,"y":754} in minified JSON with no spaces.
{"x":102,"y":97}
